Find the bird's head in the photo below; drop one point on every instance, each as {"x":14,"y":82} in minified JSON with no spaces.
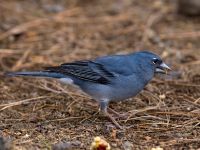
{"x":152,"y":62}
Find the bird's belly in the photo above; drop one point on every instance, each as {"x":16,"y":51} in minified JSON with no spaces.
{"x":112,"y":92}
{"x":123,"y":93}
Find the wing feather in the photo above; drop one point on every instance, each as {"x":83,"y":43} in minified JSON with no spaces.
{"x":85,"y":70}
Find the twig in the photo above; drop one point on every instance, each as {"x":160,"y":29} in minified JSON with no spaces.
{"x":63,"y":119}
{"x":191,"y":100}
{"x":24,"y":27}
{"x":10,"y":51}
{"x":180,"y":113}
{"x":21,"y":60}
{"x":180,"y":35}
{"x":5,"y":106}
{"x":134,"y":112}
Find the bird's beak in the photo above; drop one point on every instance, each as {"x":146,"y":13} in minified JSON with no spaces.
{"x":163,"y":68}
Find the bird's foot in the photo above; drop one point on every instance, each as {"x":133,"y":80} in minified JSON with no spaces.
{"x":119,"y":115}
{"x":113,"y":120}
{"x":104,"y":108}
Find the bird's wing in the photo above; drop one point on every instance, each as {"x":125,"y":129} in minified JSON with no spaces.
{"x":118,"y":64}
{"x":85,"y":70}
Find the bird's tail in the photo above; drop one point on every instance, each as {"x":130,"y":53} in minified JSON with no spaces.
{"x":36,"y":74}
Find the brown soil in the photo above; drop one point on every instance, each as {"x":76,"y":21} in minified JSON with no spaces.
{"x":36,"y":113}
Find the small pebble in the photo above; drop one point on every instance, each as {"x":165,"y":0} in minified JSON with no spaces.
{"x":5,"y":144}
{"x":127,"y":145}
{"x":157,"y":148}
{"x":66,"y":145}
{"x":189,"y":7}
{"x":53,"y":8}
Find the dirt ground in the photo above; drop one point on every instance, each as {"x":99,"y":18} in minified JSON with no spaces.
{"x":37,"y":113}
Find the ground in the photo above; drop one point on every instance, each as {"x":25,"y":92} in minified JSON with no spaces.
{"x":37,"y":113}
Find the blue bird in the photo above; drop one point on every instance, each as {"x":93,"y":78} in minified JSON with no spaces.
{"x":107,"y":78}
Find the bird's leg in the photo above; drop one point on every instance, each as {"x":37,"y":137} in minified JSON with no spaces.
{"x":103,"y":108}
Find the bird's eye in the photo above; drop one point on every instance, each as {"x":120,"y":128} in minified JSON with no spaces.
{"x":156,"y":61}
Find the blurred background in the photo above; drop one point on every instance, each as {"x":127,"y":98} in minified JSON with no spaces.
{"x":39,"y":33}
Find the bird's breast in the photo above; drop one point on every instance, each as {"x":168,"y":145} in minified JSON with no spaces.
{"x":126,"y":89}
